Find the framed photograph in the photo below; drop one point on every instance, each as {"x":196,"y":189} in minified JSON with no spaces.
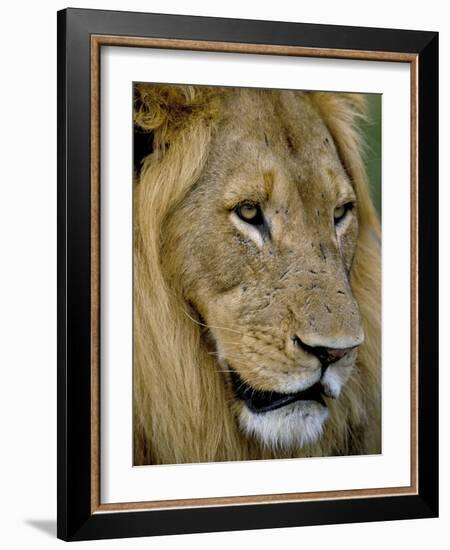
{"x":247,"y":257}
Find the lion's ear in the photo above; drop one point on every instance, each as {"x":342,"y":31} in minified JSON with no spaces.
{"x":165,"y":110}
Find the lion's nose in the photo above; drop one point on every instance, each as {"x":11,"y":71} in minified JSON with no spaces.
{"x":326,"y":356}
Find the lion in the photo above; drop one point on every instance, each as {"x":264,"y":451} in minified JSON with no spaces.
{"x":256,"y":277}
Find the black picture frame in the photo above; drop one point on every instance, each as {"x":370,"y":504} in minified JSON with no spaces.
{"x":76,"y":519}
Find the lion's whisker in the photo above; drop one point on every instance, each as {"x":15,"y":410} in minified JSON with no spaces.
{"x":213,"y":326}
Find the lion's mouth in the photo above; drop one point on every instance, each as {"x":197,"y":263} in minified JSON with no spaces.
{"x":259,"y":401}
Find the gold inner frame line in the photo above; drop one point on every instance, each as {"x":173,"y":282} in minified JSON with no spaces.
{"x":128,"y":41}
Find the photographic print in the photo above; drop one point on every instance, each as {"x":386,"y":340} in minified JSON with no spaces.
{"x":257,"y":261}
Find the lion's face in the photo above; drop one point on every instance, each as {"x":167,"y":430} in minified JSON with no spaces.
{"x":271,"y":230}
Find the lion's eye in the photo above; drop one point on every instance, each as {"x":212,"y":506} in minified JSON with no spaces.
{"x":250,"y":212}
{"x":341,"y":211}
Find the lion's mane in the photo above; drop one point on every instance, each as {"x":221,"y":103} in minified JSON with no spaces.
{"x":181,"y":413}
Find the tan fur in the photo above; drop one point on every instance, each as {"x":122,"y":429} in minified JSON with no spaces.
{"x":210,"y":146}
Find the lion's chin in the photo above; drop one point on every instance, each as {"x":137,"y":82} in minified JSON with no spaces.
{"x":280,"y":420}
{"x":292,"y":426}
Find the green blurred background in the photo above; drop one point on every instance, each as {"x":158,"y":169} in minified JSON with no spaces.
{"x":372,"y":134}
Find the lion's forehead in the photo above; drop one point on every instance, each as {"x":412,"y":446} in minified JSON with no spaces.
{"x":278,"y":119}
{"x":280,"y":135}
